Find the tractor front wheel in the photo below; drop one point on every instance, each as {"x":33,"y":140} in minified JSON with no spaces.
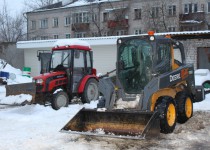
{"x":60,"y":99}
{"x":91,"y":91}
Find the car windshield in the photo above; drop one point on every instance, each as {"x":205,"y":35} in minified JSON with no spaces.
{"x":135,"y":57}
{"x":60,"y":57}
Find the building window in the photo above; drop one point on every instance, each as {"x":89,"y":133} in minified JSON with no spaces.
{"x":95,"y":34}
{"x":55,"y":36}
{"x":33,"y":38}
{"x":105,"y":16}
{"x":44,"y":23}
{"x":137,"y":13}
{"x":208,"y":7}
{"x":68,"y":36}
{"x":79,"y":34}
{"x":154,"y":12}
{"x":94,"y":17}
{"x":190,"y":8}
{"x":55,"y":22}
{"x":105,"y":33}
{"x":67,"y":21}
{"x":33,"y":25}
{"x":121,"y":32}
{"x":171,"y":29}
{"x":172,"y":10}
{"x":81,"y":17}
{"x":44,"y":37}
{"x":137,"y":31}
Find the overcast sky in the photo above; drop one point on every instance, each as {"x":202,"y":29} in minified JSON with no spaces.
{"x":14,"y":6}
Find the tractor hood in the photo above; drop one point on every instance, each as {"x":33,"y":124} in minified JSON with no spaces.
{"x":59,"y":74}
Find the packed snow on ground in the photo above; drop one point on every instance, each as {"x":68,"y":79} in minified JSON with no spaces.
{"x":15,"y":77}
{"x":37,"y":127}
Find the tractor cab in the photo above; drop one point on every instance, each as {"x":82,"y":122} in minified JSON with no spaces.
{"x":70,"y":71}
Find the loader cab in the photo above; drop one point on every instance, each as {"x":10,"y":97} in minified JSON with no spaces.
{"x":144,"y":57}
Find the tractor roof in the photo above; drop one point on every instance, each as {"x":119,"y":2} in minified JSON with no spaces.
{"x":71,"y":44}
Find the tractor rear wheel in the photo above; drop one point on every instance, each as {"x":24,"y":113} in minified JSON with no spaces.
{"x":60,"y":99}
{"x":91,"y":91}
{"x":184,"y":106}
{"x":167,"y":109}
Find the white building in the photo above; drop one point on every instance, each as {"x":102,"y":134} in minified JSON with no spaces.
{"x":196,"y":44}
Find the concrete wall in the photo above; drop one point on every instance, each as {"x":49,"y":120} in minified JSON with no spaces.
{"x":191,"y":47}
{"x":31,"y":60}
{"x":104,"y":59}
{"x":12,"y":55}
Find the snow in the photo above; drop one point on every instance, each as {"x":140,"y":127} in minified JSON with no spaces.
{"x":69,"y":42}
{"x":36,"y":127}
{"x":15,"y":77}
{"x":85,"y":2}
{"x":191,"y":21}
{"x":201,"y":75}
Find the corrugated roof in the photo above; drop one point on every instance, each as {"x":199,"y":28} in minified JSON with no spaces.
{"x":109,"y":40}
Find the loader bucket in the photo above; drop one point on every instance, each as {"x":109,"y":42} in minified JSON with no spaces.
{"x":115,"y":123}
{"x":23,"y":88}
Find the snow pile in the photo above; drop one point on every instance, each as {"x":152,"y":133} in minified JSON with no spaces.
{"x":16,"y":99}
{"x":203,"y":105}
{"x":201,"y":75}
{"x":15,"y":77}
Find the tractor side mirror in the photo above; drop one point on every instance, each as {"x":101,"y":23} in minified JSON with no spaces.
{"x":76,"y":54}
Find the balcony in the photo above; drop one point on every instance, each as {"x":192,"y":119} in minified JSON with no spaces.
{"x":117,"y":24}
{"x":192,"y":18}
{"x":80,"y":27}
{"x":192,"y":21}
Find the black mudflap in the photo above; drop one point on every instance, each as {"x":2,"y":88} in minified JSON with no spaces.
{"x":116,"y":123}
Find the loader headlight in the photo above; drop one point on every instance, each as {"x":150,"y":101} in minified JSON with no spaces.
{"x":39,"y":81}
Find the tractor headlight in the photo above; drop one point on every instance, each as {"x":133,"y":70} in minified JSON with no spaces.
{"x":39,"y":81}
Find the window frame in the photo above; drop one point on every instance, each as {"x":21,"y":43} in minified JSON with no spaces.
{"x":172,"y":10}
{"x":67,"y":35}
{"x":44,"y":23}
{"x":55,"y":22}
{"x":137,"y":14}
{"x":67,"y":21}
{"x":33,"y":24}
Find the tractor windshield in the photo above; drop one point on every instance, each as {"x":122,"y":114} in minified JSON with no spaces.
{"x":135,"y":65}
{"x":60,"y":57}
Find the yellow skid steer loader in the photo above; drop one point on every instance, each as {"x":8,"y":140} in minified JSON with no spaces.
{"x":153,"y":89}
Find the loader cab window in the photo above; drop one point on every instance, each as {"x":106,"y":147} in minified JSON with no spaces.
{"x":177,"y":56}
{"x":134,"y":65}
{"x":163,"y":57}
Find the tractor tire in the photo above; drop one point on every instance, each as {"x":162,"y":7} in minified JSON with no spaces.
{"x":167,"y":109}
{"x":91,"y":91}
{"x":59,"y":100}
{"x":184,"y":107}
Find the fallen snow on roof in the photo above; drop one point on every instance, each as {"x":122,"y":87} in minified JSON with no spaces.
{"x":85,"y":2}
{"x":66,"y":42}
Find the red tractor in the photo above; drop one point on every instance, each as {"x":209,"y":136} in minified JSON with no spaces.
{"x":70,"y":74}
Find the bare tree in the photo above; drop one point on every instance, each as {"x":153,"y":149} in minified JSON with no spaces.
{"x":35,"y":4}
{"x":156,"y":18}
{"x":11,"y":27}
{"x":116,"y":18}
